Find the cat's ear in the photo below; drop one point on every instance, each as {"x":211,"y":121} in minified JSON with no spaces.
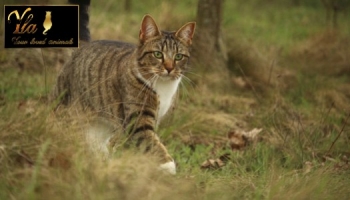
{"x":186,"y":32}
{"x":148,"y":29}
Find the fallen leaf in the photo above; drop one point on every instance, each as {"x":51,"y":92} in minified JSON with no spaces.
{"x":345,"y":159}
{"x":307,"y":167}
{"x":252,"y":135}
{"x":27,"y":106}
{"x":60,"y":160}
{"x":239,"y":139}
{"x":23,"y":159}
{"x":239,"y":81}
{"x":215,"y":163}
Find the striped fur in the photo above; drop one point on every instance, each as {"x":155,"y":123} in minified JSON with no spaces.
{"x":133,"y":85}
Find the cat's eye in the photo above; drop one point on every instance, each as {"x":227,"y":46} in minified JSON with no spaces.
{"x":178,"y":57}
{"x":158,"y":54}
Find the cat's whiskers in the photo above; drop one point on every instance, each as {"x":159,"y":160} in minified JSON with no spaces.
{"x":150,"y":80}
{"x":148,"y":83}
{"x":191,"y":72}
{"x":188,"y":80}
{"x":184,"y":80}
{"x":184,"y":90}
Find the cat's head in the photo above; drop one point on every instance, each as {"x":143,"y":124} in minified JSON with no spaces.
{"x":163,"y":53}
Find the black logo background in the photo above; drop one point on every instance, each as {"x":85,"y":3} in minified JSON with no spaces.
{"x":64,"y":25}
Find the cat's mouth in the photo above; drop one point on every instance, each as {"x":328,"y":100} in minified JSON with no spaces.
{"x":168,"y":77}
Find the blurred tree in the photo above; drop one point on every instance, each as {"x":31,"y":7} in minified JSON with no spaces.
{"x":333,"y":7}
{"x":209,"y":20}
{"x":84,"y":32}
{"x":296,"y":2}
{"x":127,"y":5}
{"x":208,"y":47}
{"x":216,"y":58}
{"x":209,"y":52}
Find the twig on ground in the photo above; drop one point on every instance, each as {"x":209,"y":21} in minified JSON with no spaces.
{"x":340,"y":132}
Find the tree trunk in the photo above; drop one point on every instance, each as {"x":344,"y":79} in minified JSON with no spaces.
{"x":127,"y":5}
{"x":333,"y":9}
{"x":84,"y":31}
{"x":209,"y":20}
{"x":208,"y":45}
{"x":209,"y":52}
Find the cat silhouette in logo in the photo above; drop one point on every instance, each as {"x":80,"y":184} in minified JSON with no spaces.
{"x":47,"y":22}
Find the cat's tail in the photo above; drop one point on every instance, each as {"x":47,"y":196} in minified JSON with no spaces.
{"x":84,"y":31}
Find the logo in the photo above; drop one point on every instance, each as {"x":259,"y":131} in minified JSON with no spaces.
{"x":41,"y":26}
{"x":47,"y":23}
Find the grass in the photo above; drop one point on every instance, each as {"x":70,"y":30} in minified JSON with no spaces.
{"x":303,"y":151}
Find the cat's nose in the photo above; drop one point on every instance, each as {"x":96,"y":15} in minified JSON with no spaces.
{"x":169,"y":70}
{"x":169,"y":67}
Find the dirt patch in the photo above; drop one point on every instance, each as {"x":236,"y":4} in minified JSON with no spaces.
{"x":256,"y":70}
{"x":333,"y":98}
{"x":324,"y":53}
{"x":37,"y":59}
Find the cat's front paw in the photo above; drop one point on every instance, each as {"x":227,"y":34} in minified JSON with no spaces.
{"x":169,"y":167}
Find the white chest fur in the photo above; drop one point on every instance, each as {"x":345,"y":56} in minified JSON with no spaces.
{"x":166,"y":90}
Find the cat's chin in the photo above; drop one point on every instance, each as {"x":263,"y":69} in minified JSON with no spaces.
{"x":167,"y":78}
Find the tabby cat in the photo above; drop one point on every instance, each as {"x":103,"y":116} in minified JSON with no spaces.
{"x":133,"y":85}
